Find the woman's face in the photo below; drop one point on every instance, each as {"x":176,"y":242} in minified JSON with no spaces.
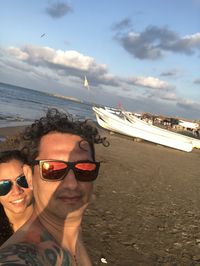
{"x":18,"y":198}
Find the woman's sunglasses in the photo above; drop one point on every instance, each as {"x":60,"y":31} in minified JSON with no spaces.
{"x":55,"y":170}
{"x":6,"y":185}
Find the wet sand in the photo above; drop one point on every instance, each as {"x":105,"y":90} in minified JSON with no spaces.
{"x":146,"y":208}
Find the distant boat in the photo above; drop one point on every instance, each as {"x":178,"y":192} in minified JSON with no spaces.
{"x":127,"y":124}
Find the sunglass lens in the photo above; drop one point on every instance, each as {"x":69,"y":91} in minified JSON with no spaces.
{"x":21,"y":181}
{"x":86,"y":172}
{"x":86,"y":166}
{"x":53,"y":170}
{"x":5,"y":187}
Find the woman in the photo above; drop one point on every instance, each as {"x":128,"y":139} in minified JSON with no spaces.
{"x":16,"y":198}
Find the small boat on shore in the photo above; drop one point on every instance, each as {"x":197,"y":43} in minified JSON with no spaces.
{"x":127,"y":124}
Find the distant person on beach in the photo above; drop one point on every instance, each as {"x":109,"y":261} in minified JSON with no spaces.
{"x":15,"y":195}
{"x":62,"y":169}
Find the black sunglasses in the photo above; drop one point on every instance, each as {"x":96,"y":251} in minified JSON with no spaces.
{"x":55,"y":170}
{"x":6,"y":185}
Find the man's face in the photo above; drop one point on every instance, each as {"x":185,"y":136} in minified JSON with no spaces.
{"x":18,"y":198}
{"x":61,"y":198}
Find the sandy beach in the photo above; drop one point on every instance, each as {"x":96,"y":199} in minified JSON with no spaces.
{"x":146,"y":206}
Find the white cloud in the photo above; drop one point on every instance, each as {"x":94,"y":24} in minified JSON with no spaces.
{"x":63,"y":59}
{"x":194,"y":39}
{"x":72,"y":59}
{"x":17,"y":53}
{"x":150,"y":82}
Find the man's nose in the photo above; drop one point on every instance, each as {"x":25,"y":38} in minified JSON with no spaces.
{"x":70,"y":180}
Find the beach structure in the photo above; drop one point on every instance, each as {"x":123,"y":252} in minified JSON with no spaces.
{"x":188,"y":125}
{"x":127,"y":124}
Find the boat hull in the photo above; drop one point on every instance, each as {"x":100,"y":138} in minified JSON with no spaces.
{"x":140,"y":129}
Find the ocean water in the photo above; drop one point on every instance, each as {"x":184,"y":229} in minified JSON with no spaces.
{"x":21,"y":106}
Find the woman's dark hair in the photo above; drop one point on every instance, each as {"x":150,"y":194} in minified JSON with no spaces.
{"x":7,"y":156}
{"x":6,"y":229}
{"x":56,"y":121}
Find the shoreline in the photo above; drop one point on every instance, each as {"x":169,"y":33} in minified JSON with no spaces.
{"x":10,"y":130}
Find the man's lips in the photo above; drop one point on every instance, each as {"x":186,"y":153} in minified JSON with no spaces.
{"x":70,"y":198}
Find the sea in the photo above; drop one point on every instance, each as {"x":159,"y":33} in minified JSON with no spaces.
{"x":21,"y":106}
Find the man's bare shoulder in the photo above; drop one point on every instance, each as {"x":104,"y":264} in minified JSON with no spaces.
{"x":33,"y":255}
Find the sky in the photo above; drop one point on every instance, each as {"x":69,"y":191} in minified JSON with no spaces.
{"x":143,"y":55}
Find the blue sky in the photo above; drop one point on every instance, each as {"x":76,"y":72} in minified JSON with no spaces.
{"x":143,"y":54}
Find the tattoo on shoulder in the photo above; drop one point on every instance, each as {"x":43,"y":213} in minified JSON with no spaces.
{"x":29,"y":254}
{"x":19,"y":254}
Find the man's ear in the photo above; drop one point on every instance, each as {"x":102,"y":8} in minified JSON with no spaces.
{"x":28,"y":174}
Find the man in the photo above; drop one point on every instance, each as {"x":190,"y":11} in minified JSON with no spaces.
{"x":61,"y":170}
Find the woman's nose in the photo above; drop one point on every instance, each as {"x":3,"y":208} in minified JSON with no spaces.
{"x":17,"y":190}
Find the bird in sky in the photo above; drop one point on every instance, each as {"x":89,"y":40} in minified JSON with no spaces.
{"x":42,"y":35}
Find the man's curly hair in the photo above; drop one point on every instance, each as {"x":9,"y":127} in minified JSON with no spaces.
{"x":56,"y":121}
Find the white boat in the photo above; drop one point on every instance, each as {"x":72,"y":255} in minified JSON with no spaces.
{"x":157,"y":130}
{"x":126,"y":124}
